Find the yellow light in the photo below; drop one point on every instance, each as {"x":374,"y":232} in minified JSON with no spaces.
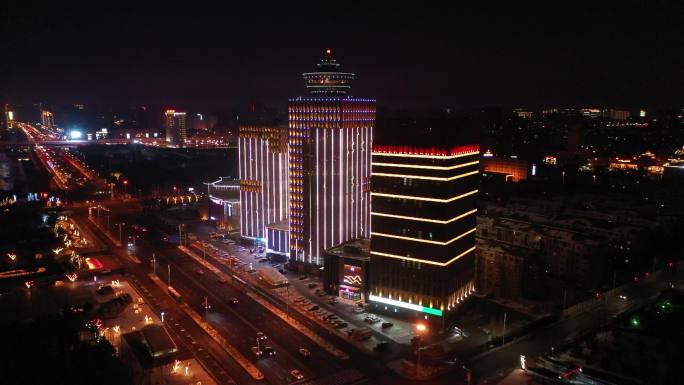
{"x":426,"y":261}
{"x":426,"y":167}
{"x":425,"y":219}
{"x":425,"y":156}
{"x":424,"y":240}
{"x":425,"y":177}
{"x":425,"y":198}
{"x":421,"y":327}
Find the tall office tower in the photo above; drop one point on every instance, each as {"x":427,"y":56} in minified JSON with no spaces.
{"x":329,"y":144}
{"x":423,"y":238}
{"x":175,"y":127}
{"x":6,"y":118}
{"x":47,"y":119}
{"x":263,"y":161}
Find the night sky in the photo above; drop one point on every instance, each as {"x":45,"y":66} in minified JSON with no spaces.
{"x":621,"y":54}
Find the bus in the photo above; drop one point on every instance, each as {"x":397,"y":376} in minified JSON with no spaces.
{"x":175,"y":294}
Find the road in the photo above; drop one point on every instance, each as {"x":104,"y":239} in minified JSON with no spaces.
{"x":240,"y":323}
{"x":186,"y":333}
{"x":559,"y":333}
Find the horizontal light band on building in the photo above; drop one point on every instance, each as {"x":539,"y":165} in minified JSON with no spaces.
{"x":425,"y":219}
{"x":421,"y":239}
{"x":426,"y":167}
{"x":425,"y":156}
{"x":405,"y":305}
{"x":425,"y":198}
{"x":425,"y":177}
{"x":426,"y":261}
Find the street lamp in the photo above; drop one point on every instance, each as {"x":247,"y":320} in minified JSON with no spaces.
{"x":421,"y":329}
{"x":120,"y":224}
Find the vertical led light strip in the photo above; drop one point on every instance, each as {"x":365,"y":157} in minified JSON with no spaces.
{"x":341,"y":187}
{"x":332,"y":190}
{"x":263,"y":145}
{"x":240,"y":164}
{"x":318,"y":183}
{"x":325,"y":195}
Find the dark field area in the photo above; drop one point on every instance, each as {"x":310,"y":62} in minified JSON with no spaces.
{"x":158,"y":170}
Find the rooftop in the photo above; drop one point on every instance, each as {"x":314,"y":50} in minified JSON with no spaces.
{"x":356,"y":248}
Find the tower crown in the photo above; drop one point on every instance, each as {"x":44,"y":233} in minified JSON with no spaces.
{"x":328,"y":78}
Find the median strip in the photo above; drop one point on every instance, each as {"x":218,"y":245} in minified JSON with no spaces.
{"x":214,"y":334}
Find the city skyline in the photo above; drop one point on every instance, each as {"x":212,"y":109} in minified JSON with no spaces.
{"x":536,"y":56}
{"x":342,"y":194}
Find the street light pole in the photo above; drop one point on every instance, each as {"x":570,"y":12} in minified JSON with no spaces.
{"x":169,"y":269}
{"x":503,"y":340}
{"x":154,"y":264}
{"x":421,"y":328}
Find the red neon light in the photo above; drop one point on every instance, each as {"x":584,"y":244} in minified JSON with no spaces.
{"x":433,"y":151}
{"x":93,"y":263}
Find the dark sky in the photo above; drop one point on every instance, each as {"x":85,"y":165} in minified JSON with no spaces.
{"x":620,"y":54}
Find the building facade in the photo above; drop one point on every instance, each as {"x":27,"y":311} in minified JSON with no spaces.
{"x":224,"y":207}
{"x":47,"y":119}
{"x":175,"y":123}
{"x":514,"y":170}
{"x":263,"y":168}
{"x":423,"y":221}
{"x":330,"y":137}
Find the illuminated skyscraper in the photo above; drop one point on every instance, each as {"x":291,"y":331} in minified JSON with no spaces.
{"x":330,"y":139}
{"x":47,"y":119}
{"x":263,"y":160}
{"x":423,"y":237}
{"x":175,"y":122}
{"x":7,"y":118}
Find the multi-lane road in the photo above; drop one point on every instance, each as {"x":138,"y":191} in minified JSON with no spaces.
{"x":239,"y":323}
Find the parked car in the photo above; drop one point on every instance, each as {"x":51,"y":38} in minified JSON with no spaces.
{"x":222,"y":280}
{"x":303,"y":277}
{"x":312,"y":308}
{"x":386,"y":325}
{"x":305,"y":352}
{"x":341,"y":325}
{"x":311,"y":285}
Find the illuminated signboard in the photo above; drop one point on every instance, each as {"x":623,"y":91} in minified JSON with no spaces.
{"x":353,"y":276}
